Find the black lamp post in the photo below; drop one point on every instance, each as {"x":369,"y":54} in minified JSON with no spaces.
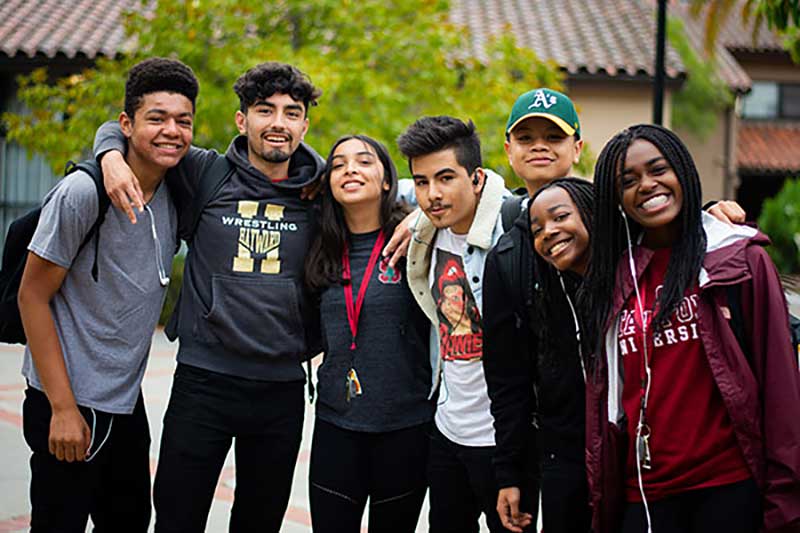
{"x":658,"y":83}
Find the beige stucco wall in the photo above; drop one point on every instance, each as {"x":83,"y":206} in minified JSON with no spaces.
{"x":771,"y":71}
{"x":710,"y":157}
{"x":605,"y":108}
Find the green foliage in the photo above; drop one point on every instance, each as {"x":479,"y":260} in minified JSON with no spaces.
{"x":780,"y":219}
{"x":781,"y":16}
{"x":696,"y":106}
{"x":173,"y":289}
{"x":381,"y":65}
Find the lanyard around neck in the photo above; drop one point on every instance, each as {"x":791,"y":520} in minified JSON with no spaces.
{"x":354,"y":310}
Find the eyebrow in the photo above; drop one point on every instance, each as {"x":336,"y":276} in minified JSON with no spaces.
{"x":646,"y":163}
{"x":446,"y":170}
{"x":535,"y":220}
{"x":365,"y":152}
{"x":158,"y":111}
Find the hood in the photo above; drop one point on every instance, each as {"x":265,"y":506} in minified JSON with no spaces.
{"x":725,"y":260}
{"x":305,"y":165}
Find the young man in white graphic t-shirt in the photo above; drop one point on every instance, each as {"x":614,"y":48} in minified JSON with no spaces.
{"x":459,"y":223}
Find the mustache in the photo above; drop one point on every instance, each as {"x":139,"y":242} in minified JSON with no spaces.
{"x":437,"y":205}
{"x":278,"y":132}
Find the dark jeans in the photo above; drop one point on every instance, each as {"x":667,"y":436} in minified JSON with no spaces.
{"x":206,"y":412}
{"x":565,"y":493}
{"x":462,"y":486}
{"x":113,"y":488}
{"x":349,"y":466}
{"x":734,"y":508}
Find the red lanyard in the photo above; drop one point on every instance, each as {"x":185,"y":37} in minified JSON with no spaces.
{"x":353,"y":311}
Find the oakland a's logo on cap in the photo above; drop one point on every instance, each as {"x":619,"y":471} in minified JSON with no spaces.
{"x":540,"y":99}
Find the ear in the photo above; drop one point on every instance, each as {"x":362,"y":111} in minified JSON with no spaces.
{"x":305,"y":129}
{"x":126,"y":124}
{"x":578,"y":150}
{"x":479,"y":179}
{"x":386,"y":185}
{"x":507,"y":148}
{"x":241,"y":122}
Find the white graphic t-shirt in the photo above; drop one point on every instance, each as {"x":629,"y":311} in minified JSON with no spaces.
{"x":462,"y":413}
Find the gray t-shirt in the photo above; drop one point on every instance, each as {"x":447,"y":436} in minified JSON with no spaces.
{"x":105,"y":327}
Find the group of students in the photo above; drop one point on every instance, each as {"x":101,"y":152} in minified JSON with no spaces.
{"x":609,"y":346}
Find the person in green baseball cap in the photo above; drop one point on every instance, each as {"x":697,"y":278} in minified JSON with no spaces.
{"x":543,"y":137}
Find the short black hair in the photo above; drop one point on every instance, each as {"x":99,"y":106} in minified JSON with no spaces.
{"x":266,"y":79}
{"x":158,"y":74}
{"x":434,"y":134}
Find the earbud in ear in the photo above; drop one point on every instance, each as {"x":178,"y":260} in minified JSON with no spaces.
{"x":475,"y":179}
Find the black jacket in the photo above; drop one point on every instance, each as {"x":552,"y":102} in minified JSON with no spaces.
{"x":530,"y":358}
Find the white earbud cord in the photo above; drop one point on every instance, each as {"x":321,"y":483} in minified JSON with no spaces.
{"x":642,"y":410}
{"x":162,"y":273}
{"x":91,"y":441}
{"x":577,"y":324}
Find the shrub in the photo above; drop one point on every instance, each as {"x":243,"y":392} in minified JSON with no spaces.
{"x":780,"y":219}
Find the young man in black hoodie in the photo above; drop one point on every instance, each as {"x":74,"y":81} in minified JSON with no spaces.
{"x":243,"y":319}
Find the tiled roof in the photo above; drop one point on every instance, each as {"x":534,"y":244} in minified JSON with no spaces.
{"x":768,"y":147}
{"x":596,"y":37}
{"x":607,"y":37}
{"x":67,"y":27}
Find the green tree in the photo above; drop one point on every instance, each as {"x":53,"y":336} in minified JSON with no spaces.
{"x":697,"y":105}
{"x":380,"y":64}
{"x":780,"y":219}
{"x":780,"y":16}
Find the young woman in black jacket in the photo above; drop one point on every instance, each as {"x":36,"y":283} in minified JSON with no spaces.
{"x":533,"y":362}
{"x":371,"y":430}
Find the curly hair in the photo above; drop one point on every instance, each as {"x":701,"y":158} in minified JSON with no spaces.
{"x":266,"y":79}
{"x":158,"y":74}
{"x":434,"y":134}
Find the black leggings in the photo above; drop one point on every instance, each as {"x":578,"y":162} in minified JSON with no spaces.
{"x":734,"y":508}
{"x":347,"y":467}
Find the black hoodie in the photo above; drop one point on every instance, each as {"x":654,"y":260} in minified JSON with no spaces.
{"x":243,"y":309}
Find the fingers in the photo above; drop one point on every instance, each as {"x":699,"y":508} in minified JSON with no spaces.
{"x":392,"y":245}
{"x":138,"y":196}
{"x":508,"y":509}
{"x":728,"y":212}
{"x":400,"y":252}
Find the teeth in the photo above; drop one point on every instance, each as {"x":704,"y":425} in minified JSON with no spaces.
{"x":655,"y":201}
{"x":276,"y":139}
{"x":558,"y":247}
{"x":172,"y":146}
{"x":351,"y":186}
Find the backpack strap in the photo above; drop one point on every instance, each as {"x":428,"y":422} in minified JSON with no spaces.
{"x":512,"y":206}
{"x":209,"y":183}
{"x":92,"y":168}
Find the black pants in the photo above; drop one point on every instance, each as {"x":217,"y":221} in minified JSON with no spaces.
{"x":565,"y":493}
{"x":462,"y":486}
{"x":349,"y":466}
{"x":734,"y":508}
{"x":206,"y":412}
{"x":113,"y":488}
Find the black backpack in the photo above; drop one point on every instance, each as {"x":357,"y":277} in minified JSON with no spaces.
{"x":512,"y":207}
{"x":15,"y":252}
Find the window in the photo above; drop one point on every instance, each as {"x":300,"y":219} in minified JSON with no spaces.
{"x":790,"y":101}
{"x":772,"y":100}
{"x":762,"y":101}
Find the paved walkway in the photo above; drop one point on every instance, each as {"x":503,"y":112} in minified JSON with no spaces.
{"x":14,"y":470}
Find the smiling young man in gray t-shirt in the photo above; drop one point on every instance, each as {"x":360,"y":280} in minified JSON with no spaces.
{"x":88,"y":340}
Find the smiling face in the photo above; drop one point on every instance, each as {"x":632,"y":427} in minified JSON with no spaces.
{"x":357,"y":176}
{"x":651,"y":194}
{"x":160,"y":132}
{"x":558,"y":232}
{"x":445,"y":191}
{"x":274,"y":128}
{"x":539,"y":151}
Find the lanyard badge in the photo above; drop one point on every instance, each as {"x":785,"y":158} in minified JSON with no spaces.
{"x":353,"y":385}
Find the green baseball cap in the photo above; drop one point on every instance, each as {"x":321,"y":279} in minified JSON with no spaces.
{"x":545,"y":103}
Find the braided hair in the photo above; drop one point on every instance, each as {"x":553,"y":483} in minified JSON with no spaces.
{"x":608,"y":235}
{"x":581,"y":192}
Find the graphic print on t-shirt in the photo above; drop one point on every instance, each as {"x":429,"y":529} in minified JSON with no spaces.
{"x":459,"y":319}
{"x":260,"y":227}
{"x":388,"y":275}
{"x":682,"y":327}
